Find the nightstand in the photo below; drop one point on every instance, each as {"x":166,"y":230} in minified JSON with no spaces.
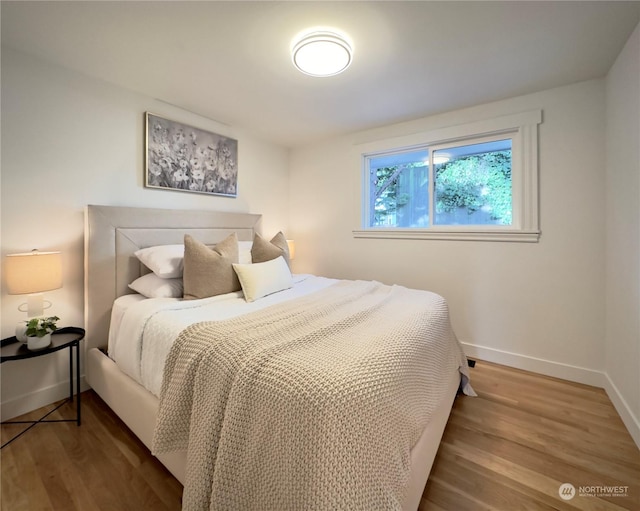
{"x":67,"y":337}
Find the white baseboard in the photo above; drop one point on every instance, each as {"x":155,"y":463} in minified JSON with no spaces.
{"x":536,"y":365}
{"x":563,"y":371}
{"x":622,"y":407}
{"x":33,"y":400}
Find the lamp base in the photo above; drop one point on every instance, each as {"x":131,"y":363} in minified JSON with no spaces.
{"x":35,"y":305}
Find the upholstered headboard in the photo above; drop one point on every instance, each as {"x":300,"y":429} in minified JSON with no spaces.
{"x":113,"y":234}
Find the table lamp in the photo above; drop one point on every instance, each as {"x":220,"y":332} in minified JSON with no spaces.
{"x":292,"y":249}
{"x":31,"y":274}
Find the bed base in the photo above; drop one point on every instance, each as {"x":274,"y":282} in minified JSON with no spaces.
{"x":135,"y":405}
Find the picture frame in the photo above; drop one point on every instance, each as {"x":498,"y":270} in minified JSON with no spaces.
{"x":188,"y":159}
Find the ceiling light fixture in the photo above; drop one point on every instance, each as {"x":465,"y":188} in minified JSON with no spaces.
{"x":321,"y":52}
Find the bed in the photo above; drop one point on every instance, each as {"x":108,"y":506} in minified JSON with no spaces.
{"x":112,"y":236}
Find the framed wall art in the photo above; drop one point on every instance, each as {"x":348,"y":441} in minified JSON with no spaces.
{"x":181,"y":157}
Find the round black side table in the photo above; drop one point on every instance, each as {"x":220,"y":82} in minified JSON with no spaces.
{"x":67,"y":337}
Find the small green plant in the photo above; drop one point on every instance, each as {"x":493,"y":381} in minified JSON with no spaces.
{"x":39,"y":327}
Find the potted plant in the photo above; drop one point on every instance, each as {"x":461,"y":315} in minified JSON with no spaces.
{"x":39,"y":332}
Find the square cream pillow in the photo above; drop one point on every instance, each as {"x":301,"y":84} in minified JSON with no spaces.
{"x":208,"y":271}
{"x":262,"y":279}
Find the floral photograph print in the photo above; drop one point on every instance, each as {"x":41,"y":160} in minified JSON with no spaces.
{"x":179,"y":157}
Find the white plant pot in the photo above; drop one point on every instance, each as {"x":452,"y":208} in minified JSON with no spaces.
{"x":21,"y":332}
{"x":37,"y":343}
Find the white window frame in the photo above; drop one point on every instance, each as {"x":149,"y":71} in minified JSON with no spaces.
{"x":522,"y":128}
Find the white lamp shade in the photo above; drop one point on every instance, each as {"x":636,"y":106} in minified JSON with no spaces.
{"x":33,"y":272}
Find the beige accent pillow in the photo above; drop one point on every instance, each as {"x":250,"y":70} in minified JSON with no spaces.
{"x":263,"y":250}
{"x":209,"y":271}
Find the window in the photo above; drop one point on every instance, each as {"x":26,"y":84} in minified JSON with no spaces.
{"x":479,"y":184}
{"x":399,"y":189}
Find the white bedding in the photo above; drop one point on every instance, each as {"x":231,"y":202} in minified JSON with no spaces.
{"x":144,"y":329}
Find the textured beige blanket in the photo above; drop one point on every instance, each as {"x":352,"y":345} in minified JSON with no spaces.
{"x":313,"y":404}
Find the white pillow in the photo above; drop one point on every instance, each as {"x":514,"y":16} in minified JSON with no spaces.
{"x":244,"y":252}
{"x":166,"y":261}
{"x":262,"y":279}
{"x":152,"y":286}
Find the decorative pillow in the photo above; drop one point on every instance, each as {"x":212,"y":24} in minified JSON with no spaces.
{"x":163,"y":260}
{"x":263,"y":250}
{"x":244,"y":252}
{"x":209,"y":271}
{"x":152,"y":286}
{"x":262,"y":279}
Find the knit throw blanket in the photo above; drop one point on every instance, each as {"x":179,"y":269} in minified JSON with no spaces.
{"x":314,"y":404}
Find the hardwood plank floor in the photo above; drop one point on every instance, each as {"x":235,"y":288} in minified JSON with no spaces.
{"x":98,"y":466}
{"x":508,"y":449}
{"x":525,"y":435}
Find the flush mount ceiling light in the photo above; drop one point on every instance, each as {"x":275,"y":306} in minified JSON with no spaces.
{"x":321,"y":52}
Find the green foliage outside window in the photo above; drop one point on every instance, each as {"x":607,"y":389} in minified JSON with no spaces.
{"x":476,"y":182}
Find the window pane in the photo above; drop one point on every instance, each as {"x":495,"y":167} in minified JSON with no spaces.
{"x":473,"y":184}
{"x":398,"y":190}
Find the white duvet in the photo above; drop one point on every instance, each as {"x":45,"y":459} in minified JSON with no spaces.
{"x":143,"y":330}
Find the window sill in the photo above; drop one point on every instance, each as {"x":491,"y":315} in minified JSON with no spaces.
{"x":452,"y":235}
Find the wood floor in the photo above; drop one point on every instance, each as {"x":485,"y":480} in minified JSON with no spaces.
{"x":508,"y":449}
{"x":525,"y":435}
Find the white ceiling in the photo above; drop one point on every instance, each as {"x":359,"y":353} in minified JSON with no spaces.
{"x":230,"y":61}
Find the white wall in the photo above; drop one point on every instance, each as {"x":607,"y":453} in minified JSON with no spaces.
{"x":623,"y":234}
{"x":538,"y":306}
{"x":69,"y":140}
